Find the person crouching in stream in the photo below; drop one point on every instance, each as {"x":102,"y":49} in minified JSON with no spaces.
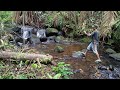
{"x":94,"y":43}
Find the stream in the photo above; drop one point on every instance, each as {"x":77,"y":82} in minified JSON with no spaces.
{"x":83,"y":68}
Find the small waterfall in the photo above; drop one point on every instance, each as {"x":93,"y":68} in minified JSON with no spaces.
{"x":41,"y":33}
{"x":26,"y":32}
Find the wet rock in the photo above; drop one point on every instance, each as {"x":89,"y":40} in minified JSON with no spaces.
{"x":77,"y":71}
{"x":110,"y":51}
{"x":35,"y":39}
{"x":78,"y":54}
{"x":20,"y":44}
{"x":18,"y":40}
{"x":105,"y":74}
{"x":111,"y":68}
{"x":109,"y":74}
{"x":16,"y":30}
{"x":66,"y":57}
{"x":43,"y":39}
{"x":58,"y":39}
{"x":116,"y":56}
{"x":34,"y":31}
{"x":51,"y":32}
{"x":59,"y":49}
{"x":51,"y":39}
{"x":102,"y":67}
{"x":116,"y":76}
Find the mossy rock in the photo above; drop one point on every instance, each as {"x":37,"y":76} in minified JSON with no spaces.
{"x":52,"y":30}
{"x":77,"y":54}
{"x":110,"y":51}
{"x":59,"y":49}
{"x":59,"y":39}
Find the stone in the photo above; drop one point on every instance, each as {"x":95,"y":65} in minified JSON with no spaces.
{"x":111,"y":68}
{"x":102,"y":67}
{"x":51,"y":32}
{"x":59,"y":39}
{"x":77,"y":71}
{"x":116,"y":56}
{"x":77,"y":54}
{"x":110,"y":51}
{"x":51,"y":39}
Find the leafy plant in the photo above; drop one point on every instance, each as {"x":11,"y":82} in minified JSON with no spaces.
{"x":7,"y":76}
{"x":62,"y":69}
{"x":21,"y":76}
{"x":4,"y":44}
{"x":57,"y":76}
{"x":34,"y":66}
{"x":5,"y":21}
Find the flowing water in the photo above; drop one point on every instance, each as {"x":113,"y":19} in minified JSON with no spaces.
{"x":83,"y":68}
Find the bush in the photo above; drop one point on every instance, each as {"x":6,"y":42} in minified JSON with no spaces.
{"x":62,"y":69}
{"x":116,"y":35}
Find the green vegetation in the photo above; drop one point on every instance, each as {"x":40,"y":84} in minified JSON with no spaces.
{"x":59,"y":49}
{"x":21,"y":70}
{"x":85,"y":40}
{"x":5,"y":21}
{"x":5,"y":45}
{"x":116,"y":28}
{"x":63,"y":70}
{"x":57,"y":76}
{"x":72,"y":23}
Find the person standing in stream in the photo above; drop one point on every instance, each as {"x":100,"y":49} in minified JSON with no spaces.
{"x":94,"y":43}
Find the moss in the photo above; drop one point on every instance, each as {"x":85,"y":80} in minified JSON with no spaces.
{"x":59,"y":38}
{"x":52,"y":30}
{"x":59,"y":49}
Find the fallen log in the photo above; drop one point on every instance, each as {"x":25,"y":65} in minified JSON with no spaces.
{"x":25,"y":56}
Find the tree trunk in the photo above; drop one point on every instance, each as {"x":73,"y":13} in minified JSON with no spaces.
{"x":28,"y":56}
